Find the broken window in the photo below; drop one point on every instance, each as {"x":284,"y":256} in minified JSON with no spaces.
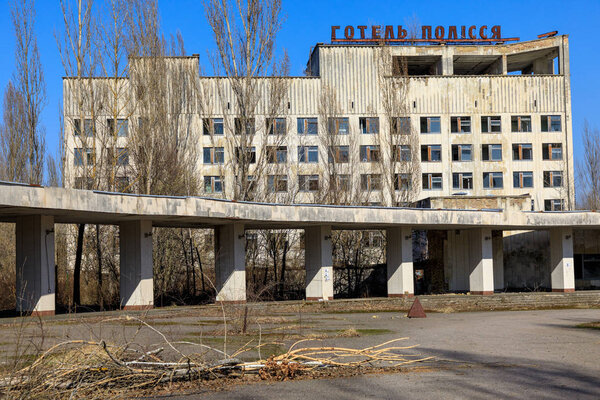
{"x":214,"y":155}
{"x":308,"y":126}
{"x":491,"y":124}
{"x":522,"y":152}
{"x":461,"y":152}
{"x":492,"y":180}
{"x":80,"y":154}
{"x":276,"y":126}
{"x":431,"y":153}
{"x":491,"y":152}
{"x":431,"y":125}
{"x":342,"y":182}
{"x":462,"y":180}
{"x":401,"y":152}
{"x":552,"y":151}
{"x":369,"y":153}
{"x":213,"y":184}
{"x":88,"y":127}
{"x":239,"y":124}
{"x":400,"y":125}
{"x":245,"y":157}
{"x":339,"y":126}
{"x":308,"y":154}
{"x":369,"y":125}
{"x":339,"y":154}
{"x":416,"y":65}
{"x":308,"y":183}
{"x":369,"y":182}
{"x":523,"y":179}
{"x":460,"y":124}
{"x":553,"y":179}
{"x":276,"y":154}
{"x":432,"y":181}
{"x":554,"y":204}
{"x":520,"y":123}
{"x":213,"y":126}
{"x":401,"y":181}
{"x":551,"y":123}
{"x":122,"y":128}
{"x":277,"y":183}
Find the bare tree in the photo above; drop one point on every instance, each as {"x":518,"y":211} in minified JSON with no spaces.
{"x":589,"y":169}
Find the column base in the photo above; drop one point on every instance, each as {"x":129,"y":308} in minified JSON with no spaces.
{"x":563,"y":290}
{"x":138,"y":308}
{"x":401,"y":295}
{"x":46,"y":313}
{"x":317,"y":298}
{"x":230,"y":302}
{"x":484,"y":293}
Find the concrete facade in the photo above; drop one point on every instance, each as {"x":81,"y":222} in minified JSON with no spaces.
{"x":319,"y":263}
{"x":561,"y":260}
{"x":136,"y":278}
{"x":399,"y":260}
{"x":230,"y":263}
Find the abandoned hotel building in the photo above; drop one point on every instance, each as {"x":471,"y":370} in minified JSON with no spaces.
{"x":471,"y":138}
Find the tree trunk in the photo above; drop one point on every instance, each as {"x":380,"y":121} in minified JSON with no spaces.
{"x":201,"y":271}
{"x":283,"y":265}
{"x":77,"y":269}
{"x":193,"y":267}
{"x":99,"y":255}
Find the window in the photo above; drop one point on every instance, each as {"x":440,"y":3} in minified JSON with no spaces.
{"x":432,"y":181}
{"x":431,"y":125}
{"x":251,"y":183}
{"x":491,"y":124}
{"x":492,"y":180}
{"x":523,"y":179}
{"x":213,"y":126}
{"x":308,"y":183}
{"x":369,"y":125}
{"x":554,"y":204}
{"x":339,"y":126}
{"x":277,"y":183}
{"x":213,"y":184}
{"x":401,"y":152}
{"x":553,"y":179}
{"x":552,"y":151}
{"x":122,"y":129}
{"x":369,"y":182}
{"x":88,"y":127}
{"x":431,"y":152}
{"x":339,"y":154}
{"x":462,"y":180}
{"x":240,"y":122}
{"x":214,"y":155}
{"x":400,"y":125}
{"x":79,"y":156}
{"x":369,"y":153}
{"x":308,"y":154}
{"x":491,"y":152}
{"x":245,"y":157}
{"x":276,"y":126}
{"x":460,"y":124}
{"x":461,"y":152}
{"x":342,"y":182}
{"x":308,"y":126}
{"x":551,"y":123}
{"x":522,"y":152}
{"x":401,"y":181}
{"x":122,"y":156}
{"x":276,"y":154}
{"x":520,"y":123}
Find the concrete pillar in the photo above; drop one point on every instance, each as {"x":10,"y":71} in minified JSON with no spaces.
{"x":137,"y":287}
{"x":318,"y":258}
{"x":399,"y":258}
{"x":230,"y":263}
{"x":35,"y":289}
{"x":481,"y":261}
{"x":498,"y":250}
{"x":561,"y":259}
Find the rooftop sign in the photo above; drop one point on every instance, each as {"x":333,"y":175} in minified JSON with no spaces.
{"x":397,"y":34}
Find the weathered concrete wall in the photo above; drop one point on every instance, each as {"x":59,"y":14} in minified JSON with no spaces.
{"x":527,"y":259}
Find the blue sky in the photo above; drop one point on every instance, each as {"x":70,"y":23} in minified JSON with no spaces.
{"x":308,"y":22}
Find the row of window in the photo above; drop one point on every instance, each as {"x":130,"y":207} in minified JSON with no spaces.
{"x":492,"y":180}
{"x":341,"y":126}
{"x":372,"y":153}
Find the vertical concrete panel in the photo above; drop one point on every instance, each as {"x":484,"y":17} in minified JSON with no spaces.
{"x":481,"y":276}
{"x":498,"y":250}
{"x":561,"y":259}
{"x":230,"y":263}
{"x":399,"y":258}
{"x":319,"y":263}
{"x":35,"y":264}
{"x":136,"y":280}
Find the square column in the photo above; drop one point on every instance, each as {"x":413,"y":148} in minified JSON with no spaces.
{"x":318,"y":259}
{"x":137,"y":286}
{"x":35,"y":265}
{"x":498,"y":248}
{"x":481,"y":261}
{"x":561,"y":260}
{"x":399,"y":258}
{"x":230,"y":263}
